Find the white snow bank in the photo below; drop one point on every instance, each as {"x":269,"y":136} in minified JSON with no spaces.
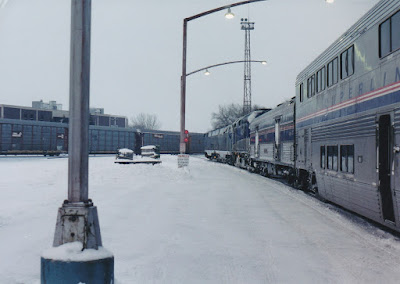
{"x":73,"y":252}
{"x":145,"y":159}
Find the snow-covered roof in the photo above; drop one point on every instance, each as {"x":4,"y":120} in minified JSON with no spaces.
{"x":125,"y":151}
{"x":148,"y":147}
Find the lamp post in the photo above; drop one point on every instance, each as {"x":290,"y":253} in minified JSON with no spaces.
{"x":263,"y":62}
{"x":229,"y":15}
{"x":77,"y":220}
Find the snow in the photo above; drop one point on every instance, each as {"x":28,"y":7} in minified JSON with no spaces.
{"x":148,"y":147}
{"x":125,"y":151}
{"x":208,"y":223}
{"x":253,"y":115}
{"x":73,"y":252}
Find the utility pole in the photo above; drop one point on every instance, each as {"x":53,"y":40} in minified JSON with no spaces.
{"x":77,"y":220}
{"x":247,"y":27}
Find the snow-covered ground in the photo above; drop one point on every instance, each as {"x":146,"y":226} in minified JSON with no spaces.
{"x":210,"y":223}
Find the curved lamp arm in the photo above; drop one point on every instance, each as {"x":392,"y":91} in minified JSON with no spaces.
{"x":225,"y":63}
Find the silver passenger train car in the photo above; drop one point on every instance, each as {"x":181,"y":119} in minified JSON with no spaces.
{"x":340,"y":136}
{"x":348,"y":118}
{"x":272,"y":141}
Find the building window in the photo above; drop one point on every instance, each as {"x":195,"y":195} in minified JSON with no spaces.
{"x":332,"y":72}
{"x":389,"y":35}
{"x":301,"y":91}
{"x":347,"y":62}
{"x":311,"y":86}
{"x":321,"y":79}
{"x":322,"y":159}
{"x":332,"y":158}
{"x":347,"y":158}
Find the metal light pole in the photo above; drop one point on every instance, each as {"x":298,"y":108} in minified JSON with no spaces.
{"x":83,"y":226}
{"x":77,"y":219}
{"x":182,"y":147}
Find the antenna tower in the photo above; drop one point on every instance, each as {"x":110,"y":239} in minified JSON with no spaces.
{"x":247,"y":27}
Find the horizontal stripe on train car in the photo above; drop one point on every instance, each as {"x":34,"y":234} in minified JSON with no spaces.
{"x":378,"y":98}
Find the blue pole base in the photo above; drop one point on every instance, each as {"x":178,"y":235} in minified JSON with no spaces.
{"x":66,"y":272}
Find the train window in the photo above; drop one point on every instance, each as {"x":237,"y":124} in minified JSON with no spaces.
{"x":301,"y":91}
{"x":384,"y":38}
{"x":311,"y":86}
{"x":347,"y":62}
{"x":321,"y":79}
{"x":332,"y":158}
{"x":332,"y":72}
{"x":322,"y":159}
{"x":347,"y":158}
{"x":389,"y":35}
{"x":395,"y":31}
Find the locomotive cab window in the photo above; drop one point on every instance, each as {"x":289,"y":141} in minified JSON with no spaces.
{"x":347,"y":63}
{"x":332,"y":158}
{"x":389,"y":35}
{"x":347,"y":158}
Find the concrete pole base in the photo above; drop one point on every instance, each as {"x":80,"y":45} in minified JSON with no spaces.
{"x":66,"y":272}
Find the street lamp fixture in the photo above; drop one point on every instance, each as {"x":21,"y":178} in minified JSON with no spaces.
{"x":329,"y":1}
{"x":207,"y":72}
{"x":229,"y":15}
{"x":264,"y":62}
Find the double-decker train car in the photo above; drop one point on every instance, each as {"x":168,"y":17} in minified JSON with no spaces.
{"x":348,"y":117}
{"x":272,"y":141}
{"x":344,"y":123}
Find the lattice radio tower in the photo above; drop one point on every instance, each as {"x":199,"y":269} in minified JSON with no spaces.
{"x":247,"y":27}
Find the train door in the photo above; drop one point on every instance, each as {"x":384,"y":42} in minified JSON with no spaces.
{"x":257,"y":145}
{"x":384,"y":157}
{"x":277,"y":139}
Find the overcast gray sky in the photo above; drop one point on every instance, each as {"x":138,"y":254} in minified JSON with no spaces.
{"x":137,"y":53}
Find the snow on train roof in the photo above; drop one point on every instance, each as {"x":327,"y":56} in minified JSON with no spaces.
{"x":253,"y":115}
